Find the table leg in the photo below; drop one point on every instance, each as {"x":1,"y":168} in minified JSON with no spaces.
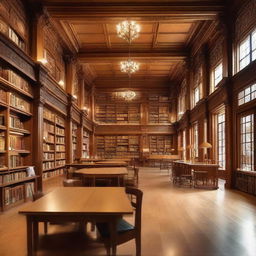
{"x":35,"y":235}
{"x":30,"y":236}
{"x":113,"y":236}
{"x":118,"y":181}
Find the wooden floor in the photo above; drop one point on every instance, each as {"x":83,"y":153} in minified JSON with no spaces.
{"x":176,"y":222}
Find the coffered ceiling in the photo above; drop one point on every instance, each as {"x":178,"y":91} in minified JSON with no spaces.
{"x":167,"y":29}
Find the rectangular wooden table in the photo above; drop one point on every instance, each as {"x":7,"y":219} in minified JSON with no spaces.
{"x":106,"y":172}
{"x":98,"y":165}
{"x":77,"y":204}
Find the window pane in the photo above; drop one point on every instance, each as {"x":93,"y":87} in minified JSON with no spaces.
{"x":247,"y":143}
{"x":221,"y":157}
{"x":218,"y":74}
{"x":254,"y":40}
{"x":244,"y":48}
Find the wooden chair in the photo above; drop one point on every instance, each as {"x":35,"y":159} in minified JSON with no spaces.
{"x":36,"y":196}
{"x":205,"y":177}
{"x":132,"y":181}
{"x":125,"y":230}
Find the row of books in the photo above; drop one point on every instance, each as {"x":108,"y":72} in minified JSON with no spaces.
{"x":60,"y":131}
{"x":3,"y":95}
{"x":18,"y":102}
{"x":48,"y":147}
{"x":48,"y":156}
{"x":60,"y":147}
{"x":48,"y":137}
{"x":15,"y":79}
{"x":15,"y":38}
{"x":48,"y":165}
{"x":60,"y":162}
{"x":60,"y":121}
{"x":60,"y":140}
{"x":2,"y":141}
{"x":10,"y":177}
{"x":16,"y":142}
{"x":60,"y":155}
{"x":15,"y":122}
{"x":13,"y":194}
{"x":50,"y":174}
{"x":49,"y":115}
{"x":15,"y":161}
{"x":48,"y":127}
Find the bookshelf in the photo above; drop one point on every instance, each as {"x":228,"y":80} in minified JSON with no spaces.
{"x":122,"y":146}
{"x":158,"y":110}
{"x":16,"y":101}
{"x":160,"y":144}
{"x":125,"y":113}
{"x":85,"y":144}
{"x":54,"y":152}
{"x":74,"y":141}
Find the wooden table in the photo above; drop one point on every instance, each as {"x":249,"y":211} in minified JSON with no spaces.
{"x":95,"y":173}
{"x":205,"y":175}
{"x":77,"y":204}
{"x":97,"y":165}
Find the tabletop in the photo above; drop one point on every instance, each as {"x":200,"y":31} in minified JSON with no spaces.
{"x":81,"y":200}
{"x":103,"y":171}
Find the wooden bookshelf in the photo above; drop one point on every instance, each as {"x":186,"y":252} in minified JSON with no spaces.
{"x":16,"y":108}
{"x":54,"y":150}
{"x":85,"y":143}
{"x":160,"y":144}
{"x":125,"y":113}
{"x":158,"y":109}
{"x":117,"y":146}
{"x":74,"y":141}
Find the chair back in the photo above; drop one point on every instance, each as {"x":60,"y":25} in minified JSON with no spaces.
{"x":38,"y":195}
{"x":136,"y":202}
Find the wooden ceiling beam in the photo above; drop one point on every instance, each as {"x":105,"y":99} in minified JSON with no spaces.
{"x":196,"y":10}
{"x":107,"y":57}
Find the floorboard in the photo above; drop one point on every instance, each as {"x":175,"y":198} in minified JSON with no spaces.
{"x":176,"y":222}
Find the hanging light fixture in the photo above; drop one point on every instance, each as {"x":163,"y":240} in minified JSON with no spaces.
{"x":128,"y":30}
{"x":129,"y":66}
{"x":128,"y":95}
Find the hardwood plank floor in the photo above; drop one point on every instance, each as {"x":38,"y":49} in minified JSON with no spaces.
{"x":176,"y":222}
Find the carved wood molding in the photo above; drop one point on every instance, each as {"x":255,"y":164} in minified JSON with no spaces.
{"x":16,"y":57}
{"x":134,"y":129}
{"x":245,"y":20}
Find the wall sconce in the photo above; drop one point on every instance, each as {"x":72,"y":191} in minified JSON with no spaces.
{"x":75,"y":97}
{"x":43,"y":61}
{"x":61,"y":83}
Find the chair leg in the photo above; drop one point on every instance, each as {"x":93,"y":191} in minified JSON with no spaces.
{"x":138,"y":246}
{"x":45,"y":227}
{"x":108,"y":249}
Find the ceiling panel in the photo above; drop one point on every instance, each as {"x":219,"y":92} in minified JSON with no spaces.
{"x":174,"y":27}
{"x":171,"y":38}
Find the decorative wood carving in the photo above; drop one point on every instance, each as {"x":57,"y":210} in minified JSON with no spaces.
{"x":216,"y":52}
{"x":16,"y":57}
{"x":246,"y":19}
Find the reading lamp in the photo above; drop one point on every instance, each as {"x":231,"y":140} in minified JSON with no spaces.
{"x":205,"y":145}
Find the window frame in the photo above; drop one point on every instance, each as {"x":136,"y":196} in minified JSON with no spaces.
{"x":251,"y":51}
{"x":239,"y":139}
{"x":215,"y":85}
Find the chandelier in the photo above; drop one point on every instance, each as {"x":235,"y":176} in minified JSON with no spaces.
{"x":128,"y":30}
{"x":129,"y":66}
{"x":128,"y":95}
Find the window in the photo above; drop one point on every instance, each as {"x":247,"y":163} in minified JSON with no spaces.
{"x":221,"y":151}
{"x":182,"y":101}
{"x":195,"y":141}
{"x":247,"y":50}
{"x":246,"y":95}
{"x":184,"y":145}
{"x":247,"y":143}
{"x":217,"y":76}
{"x":196,"y":94}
